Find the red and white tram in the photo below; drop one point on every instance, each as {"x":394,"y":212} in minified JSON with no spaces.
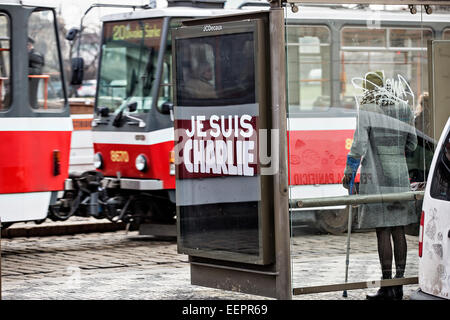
{"x":35,"y":124}
{"x":132,"y":129}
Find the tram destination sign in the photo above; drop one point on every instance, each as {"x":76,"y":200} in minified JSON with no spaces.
{"x":134,"y":31}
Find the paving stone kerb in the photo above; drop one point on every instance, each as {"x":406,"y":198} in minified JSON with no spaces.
{"x":118,"y":265}
{"x":74,"y":225}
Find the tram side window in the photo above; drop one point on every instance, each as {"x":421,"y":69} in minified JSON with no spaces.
{"x":399,"y":52}
{"x":44,"y":68}
{"x":308,"y":52}
{"x":5,"y":86}
{"x":446,"y":34}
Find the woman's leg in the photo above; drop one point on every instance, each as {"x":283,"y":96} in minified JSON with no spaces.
{"x":385,"y":255}
{"x":400,"y":250}
{"x":385,"y":251}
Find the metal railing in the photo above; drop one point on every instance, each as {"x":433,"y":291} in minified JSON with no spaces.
{"x":356,"y":199}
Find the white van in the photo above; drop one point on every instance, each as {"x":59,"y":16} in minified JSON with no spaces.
{"x":434,"y":235}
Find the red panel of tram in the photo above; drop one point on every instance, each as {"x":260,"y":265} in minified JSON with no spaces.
{"x":318,"y":156}
{"x":27,"y":161}
{"x":121,"y":158}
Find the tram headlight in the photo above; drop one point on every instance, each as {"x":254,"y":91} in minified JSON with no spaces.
{"x":141,"y":162}
{"x":98,"y":160}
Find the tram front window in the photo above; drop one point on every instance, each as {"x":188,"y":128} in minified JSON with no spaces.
{"x":128,"y":64}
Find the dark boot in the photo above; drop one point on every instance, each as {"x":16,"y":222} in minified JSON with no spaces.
{"x":398,"y":290}
{"x":384,"y":293}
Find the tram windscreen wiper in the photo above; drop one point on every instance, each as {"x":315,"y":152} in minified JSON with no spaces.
{"x":132,"y":86}
{"x":149,"y":73}
{"x":117,"y":122}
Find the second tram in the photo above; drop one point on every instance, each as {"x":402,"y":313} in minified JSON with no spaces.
{"x":132,"y":129}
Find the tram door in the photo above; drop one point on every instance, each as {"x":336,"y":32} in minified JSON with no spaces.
{"x":35,"y":127}
{"x":224,"y":206}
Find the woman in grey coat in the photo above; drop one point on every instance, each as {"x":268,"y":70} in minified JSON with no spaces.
{"x":384,"y":131}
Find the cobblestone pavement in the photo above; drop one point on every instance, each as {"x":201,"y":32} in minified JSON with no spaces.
{"x":120,"y":265}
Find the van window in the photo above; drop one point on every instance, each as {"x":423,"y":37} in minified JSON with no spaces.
{"x":440,"y":185}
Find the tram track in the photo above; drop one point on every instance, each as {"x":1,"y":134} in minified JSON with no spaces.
{"x":60,"y":228}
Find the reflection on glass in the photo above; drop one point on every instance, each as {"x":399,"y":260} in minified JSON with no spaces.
{"x":221,"y":227}
{"x":44,"y":72}
{"x":200,"y":82}
{"x":5,"y":86}
{"x":378,"y":127}
{"x":216,"y":70}
{"x":128,"y":64}
{"x":384,"y":131}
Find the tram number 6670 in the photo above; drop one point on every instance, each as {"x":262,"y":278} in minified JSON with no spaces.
{"x":119,"y":156}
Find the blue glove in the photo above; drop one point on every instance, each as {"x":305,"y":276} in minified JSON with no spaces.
{"x":350,"y":179}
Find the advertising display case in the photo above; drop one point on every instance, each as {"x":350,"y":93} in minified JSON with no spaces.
{"x":227,"y":152}
{"x":220,"y":113}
